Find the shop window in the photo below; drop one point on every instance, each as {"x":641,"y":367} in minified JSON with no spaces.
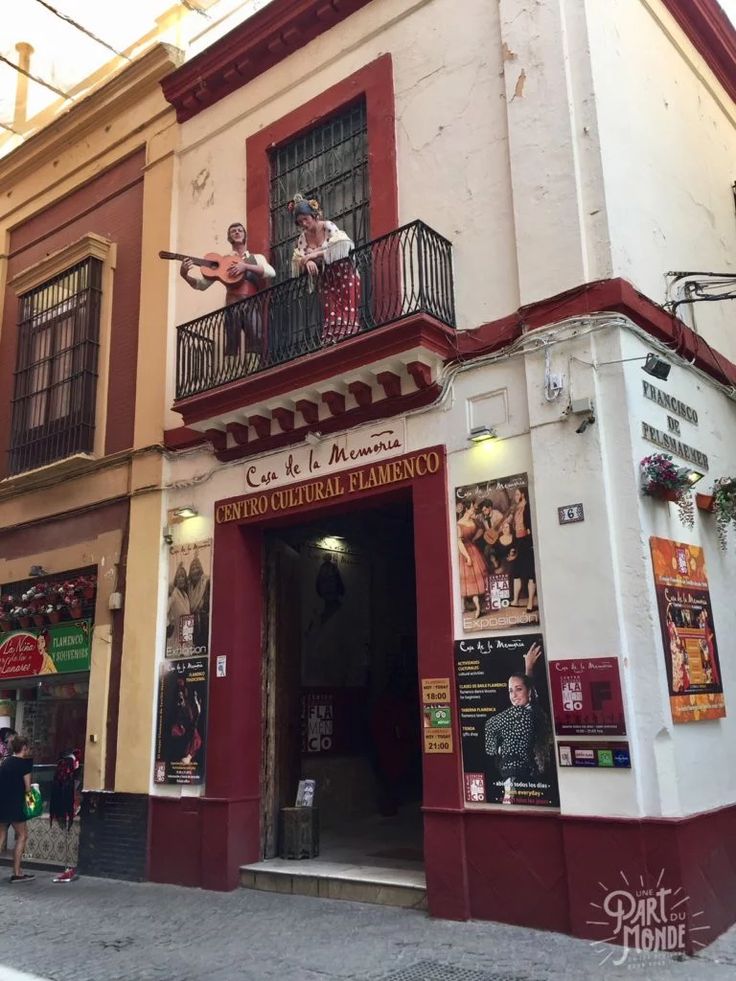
{"x":328,"y":162}
{"x":56,"y":396}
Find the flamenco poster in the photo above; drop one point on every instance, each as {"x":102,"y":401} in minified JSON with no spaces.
{"x":182,"y":722}
{"x":498,"y":582}
{"x":505,"y":721}
{"x":188,"y":609}
{"x":688,"y":634}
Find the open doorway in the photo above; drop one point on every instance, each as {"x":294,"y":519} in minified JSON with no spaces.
{"x":341,"y":703}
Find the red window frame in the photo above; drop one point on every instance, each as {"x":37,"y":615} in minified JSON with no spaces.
{"x":375,"y":83}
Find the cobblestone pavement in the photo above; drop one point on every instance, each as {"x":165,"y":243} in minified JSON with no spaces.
{"x":100,"y":930}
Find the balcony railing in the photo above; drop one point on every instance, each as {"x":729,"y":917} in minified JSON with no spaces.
{"x":406,"y":272}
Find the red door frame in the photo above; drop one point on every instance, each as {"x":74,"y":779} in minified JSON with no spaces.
{"x":231,"y":810}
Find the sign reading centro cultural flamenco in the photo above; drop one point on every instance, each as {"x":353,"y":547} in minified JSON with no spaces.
{"x":57,"y":649}
{"x":421,"y":464}
{"x":688,"y":634}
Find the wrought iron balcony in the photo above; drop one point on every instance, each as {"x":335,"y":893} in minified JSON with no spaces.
{"x":407,"y":272}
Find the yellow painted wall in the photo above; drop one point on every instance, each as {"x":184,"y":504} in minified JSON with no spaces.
{"x":128,"y":113}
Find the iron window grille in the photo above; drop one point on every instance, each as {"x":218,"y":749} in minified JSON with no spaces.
{"x":328,"y":162}
{"x":56,"y":368}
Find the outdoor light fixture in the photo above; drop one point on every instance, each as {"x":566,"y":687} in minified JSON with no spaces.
{"x":188,"y":511}
{"x":694,"y":476}
{"x":36,"y":571}
{"x":656,"y":367}
{"x":653,"y":365}
{"x":313,"y":438}
{"x":479,"y":434}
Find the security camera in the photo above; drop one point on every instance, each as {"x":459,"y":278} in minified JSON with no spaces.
{"x":589,"y":420}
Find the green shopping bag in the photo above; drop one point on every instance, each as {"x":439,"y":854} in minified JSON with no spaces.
{"x":33,"y":805}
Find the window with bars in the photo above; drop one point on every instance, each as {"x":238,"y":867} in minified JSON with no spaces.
{"x":330,"y":163}
{"x":56,"y":368}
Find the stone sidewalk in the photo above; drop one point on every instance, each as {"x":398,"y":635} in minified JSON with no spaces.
{"x":100,"y":930}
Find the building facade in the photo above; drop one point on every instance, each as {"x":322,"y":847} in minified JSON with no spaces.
{"x":82,"y":419}
{"x":510,"y":183}
{"x":402,"y":541}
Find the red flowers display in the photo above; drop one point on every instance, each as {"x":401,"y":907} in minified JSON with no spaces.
{"x":47,"y":601}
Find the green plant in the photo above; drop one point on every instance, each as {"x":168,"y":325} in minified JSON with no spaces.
{"x":724,"y":506}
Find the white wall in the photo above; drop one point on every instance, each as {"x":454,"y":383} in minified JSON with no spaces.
{"x":524,"y":214}
{"x":668,"y":145}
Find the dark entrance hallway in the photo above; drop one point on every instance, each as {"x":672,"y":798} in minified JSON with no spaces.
{"x":341,"y":704}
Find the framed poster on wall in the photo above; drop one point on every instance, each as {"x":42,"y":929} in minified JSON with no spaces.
{"x":688,"y":634}
{"x":188,"y":610}
{"x":505,"y":721}
{"x":497,"y":574}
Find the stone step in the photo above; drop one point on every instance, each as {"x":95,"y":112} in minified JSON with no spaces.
{"x":335,"y":880}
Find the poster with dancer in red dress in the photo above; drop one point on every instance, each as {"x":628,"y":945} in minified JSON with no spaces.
{"x":498,"y":582}
{"x":688,"y":634}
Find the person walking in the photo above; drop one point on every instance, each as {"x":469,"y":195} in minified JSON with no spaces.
{"x":15,"y":782}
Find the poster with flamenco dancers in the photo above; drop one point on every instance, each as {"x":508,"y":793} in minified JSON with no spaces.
{"x":182,"y":722}
{"x":498,"y":582}
{"x":688,"y":633}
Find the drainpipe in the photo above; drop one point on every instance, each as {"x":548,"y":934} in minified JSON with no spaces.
{"x":25,"y":51}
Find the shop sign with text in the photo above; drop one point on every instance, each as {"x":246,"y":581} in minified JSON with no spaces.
{"x":60,"y":648}
{"x":268,"y":503}
{"x":328,"y":456}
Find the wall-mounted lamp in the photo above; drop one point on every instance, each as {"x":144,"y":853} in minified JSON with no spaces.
{"x":37,"y":570}
{"x":656,"y":367}
{"x":314,"y":438}
{"x":188,"y":511}
{"x":653,"y":365}
{"x":694,"y":476}
{"x":479,"y":434}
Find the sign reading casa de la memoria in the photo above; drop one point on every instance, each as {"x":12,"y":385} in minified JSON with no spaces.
{"x":330,"y":455}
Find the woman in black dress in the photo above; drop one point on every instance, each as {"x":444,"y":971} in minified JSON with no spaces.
{"x":520,"y":737}
{"x":15,"y":781}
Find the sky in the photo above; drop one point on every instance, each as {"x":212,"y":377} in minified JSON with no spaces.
{"x":63,"y":55}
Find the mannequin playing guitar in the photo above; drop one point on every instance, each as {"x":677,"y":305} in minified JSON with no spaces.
{"x":242,"y":277}
{"x":246,"y":272}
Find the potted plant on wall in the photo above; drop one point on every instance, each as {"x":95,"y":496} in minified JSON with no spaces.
{"x":724,"y":507}
{"x":665,"y":481}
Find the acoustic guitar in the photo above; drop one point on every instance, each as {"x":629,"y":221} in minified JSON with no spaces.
{"x":492,"y":534}
{"x":215,"y":266}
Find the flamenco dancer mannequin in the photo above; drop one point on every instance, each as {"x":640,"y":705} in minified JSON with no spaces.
{"x":321,"y":252}
{"x":63,"y":803}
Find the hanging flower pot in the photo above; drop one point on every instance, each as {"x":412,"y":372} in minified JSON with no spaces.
{"x":39,"y":619}
{"x":705,"y":502}
{"x":663,"y":480}
{"x":25,"y":621}
{"x":661,"y":493}
{"x":74,"y":610}
{"x":53,"y":615}
{"x":5,"y":626}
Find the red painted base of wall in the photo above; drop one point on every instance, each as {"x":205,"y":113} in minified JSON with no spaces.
{"x":536,"y":870}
